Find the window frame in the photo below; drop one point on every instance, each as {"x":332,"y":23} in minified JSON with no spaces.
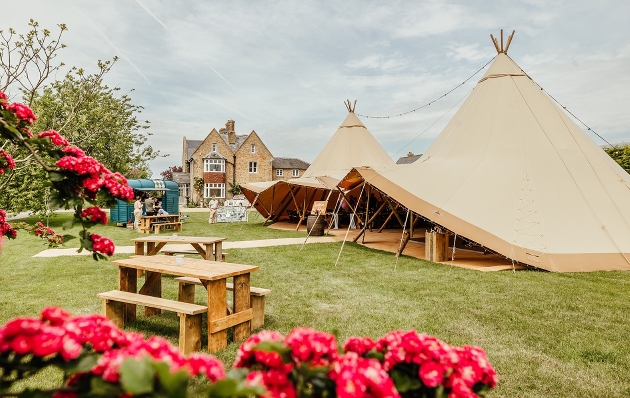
{"x":279,"y":173}
{"x":214,"y":147}
{"x":295,"y":173}
{"x":253,"y":167}
{"x":208,"y":187}
{"x":253,"y":148}
{"x":207,"y":163}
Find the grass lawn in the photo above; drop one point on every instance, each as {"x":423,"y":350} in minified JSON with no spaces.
{"x":556,"y":335}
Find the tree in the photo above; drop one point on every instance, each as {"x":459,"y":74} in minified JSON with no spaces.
{"x":86,"y":111}
{"x":168,"y":173}
{"x":621,"y":155}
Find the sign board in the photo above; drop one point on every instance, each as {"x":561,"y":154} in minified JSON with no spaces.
{"x":319,"y":207}
{"x":231,"y":214}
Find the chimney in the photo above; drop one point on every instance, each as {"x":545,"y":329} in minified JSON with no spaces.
{"x":229,"y":126}
{"x":410,"y":154}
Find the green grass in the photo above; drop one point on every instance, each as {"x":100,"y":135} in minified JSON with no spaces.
{"x":560,"y":335}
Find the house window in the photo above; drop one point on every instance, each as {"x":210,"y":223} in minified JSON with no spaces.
{"x":253,"y":148}
{"x":253,"y":167}
{"x":296,"y":173}
{"x":279,"y":172}
{"x":183,"y":190}
{"x":214,"y":165}
{"x":217,"y":190}
{"x":214,"y":147}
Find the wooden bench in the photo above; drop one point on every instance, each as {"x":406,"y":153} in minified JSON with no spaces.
{"x":189,"y":314}
{"x":256,"y":297}
{"x":175,"y":226}
{"x":172,"y":252}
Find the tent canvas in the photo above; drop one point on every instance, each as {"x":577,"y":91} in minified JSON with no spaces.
{"x":351,"y":145}
{"x":512,"y":172}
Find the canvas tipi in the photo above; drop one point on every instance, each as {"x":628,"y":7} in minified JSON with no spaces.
{"x":512,"y":172}
{"x":352,"y":145}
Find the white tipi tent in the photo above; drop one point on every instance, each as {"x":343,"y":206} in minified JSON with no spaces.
{"x":352,"y":145}
{"x":512,"y":172}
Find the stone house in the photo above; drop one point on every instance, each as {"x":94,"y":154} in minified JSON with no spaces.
{"x":225,"y":159}
{"x":287,"y":168}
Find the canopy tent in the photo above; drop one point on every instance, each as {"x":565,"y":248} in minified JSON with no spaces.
{"x":512,"y":172}
{"x":351,"y":145}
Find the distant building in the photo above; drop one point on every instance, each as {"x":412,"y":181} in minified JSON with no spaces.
{"x":225,"y":159}
{"x":410,"y":158}
{"x":286,"y":168}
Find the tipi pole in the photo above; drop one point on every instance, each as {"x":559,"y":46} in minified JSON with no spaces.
{"x":369,"y":221}
{"x":347,"y":231}
{"x":389,"y":217}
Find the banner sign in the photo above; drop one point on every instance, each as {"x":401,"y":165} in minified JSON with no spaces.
{"x":319,"y":207}
{"x":231,"y":214}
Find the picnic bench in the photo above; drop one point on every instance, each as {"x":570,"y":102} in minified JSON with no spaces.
{"x":157,"y":222}
{"x":189,"y":314}
{"x":257,"y":295}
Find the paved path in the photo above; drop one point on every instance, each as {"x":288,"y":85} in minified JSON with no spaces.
{"x":244,"y":244}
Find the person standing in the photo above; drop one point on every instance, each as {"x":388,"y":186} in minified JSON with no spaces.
{"x":213,"y":204}
{"x":137,"y":213}
{"x":148,"y":206}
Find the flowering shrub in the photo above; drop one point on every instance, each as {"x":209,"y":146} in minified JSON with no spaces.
{"x":98,"y":359}
{"x":76,"y":178}
{"x":52,"y":238}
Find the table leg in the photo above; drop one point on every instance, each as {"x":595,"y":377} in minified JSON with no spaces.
{"x":152,"y":287}
{"x":205,"y":253}
{"x":128,"y":282}
{"x":217,"y":301}
{"x":139,"y":252}
{"x":218,"y":251}
{"x":241,"y":303}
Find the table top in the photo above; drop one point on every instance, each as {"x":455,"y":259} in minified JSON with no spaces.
{"x":162,"y":216}
{"x":180,"y":239}
{"x":191,"y":267}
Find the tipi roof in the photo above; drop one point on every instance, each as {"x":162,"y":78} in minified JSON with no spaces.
{"x":513,"y":172}
{"x":352,"y":145}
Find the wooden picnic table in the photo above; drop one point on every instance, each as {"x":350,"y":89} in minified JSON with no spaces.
{"x":147,"y":221}
{"x":209,"y":247}
{"x":212,"y":274}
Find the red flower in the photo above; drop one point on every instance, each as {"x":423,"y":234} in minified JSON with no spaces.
{"x":3,"y":100}
{"x":356,"y":376}
{"x":55,"y":137}
{"x":102,"y":245}
{"x":22,"y":112}
{"x":313,"y":347}
{"x":360,"y":345}
{"x":94,"y":214}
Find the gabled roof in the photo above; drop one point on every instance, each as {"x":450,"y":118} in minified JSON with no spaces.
{"x":408,"y":159}
{"x":192,"y":147}
{"x":240,"y":139}
{"x":289,"y":163}
{"x":214,"y":155}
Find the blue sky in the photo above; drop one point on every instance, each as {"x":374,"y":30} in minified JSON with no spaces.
{"x":284,"y":68}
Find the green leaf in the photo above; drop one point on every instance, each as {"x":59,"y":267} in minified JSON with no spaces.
{"x":174,"y":384}
{"x":225,"y":388}
{"x":68,"y":224}
{"x":100,"y":387}
{"x":403,"y":382}
{"x":136,"y":376}
{"x":56,"y":176}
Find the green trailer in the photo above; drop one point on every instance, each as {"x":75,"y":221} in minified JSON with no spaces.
{"x":168,"y":190}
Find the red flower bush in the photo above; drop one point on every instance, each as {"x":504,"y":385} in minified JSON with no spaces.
{"x":6,"y":161}
{"x":22,"y":112}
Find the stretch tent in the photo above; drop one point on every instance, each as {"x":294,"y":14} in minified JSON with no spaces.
{"x":352,"y":145}
{"x":512,"y":172}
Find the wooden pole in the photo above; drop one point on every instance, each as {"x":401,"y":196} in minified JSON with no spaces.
{"x":389,"y":217}
{"x":409,"y":234}
{"x":501,"y":40}
{"x":354,"y":211}
{"x":509,"y":41}
{"x":494,"y":41}
{"x":402,"y":223}
{"x":369,"y":221}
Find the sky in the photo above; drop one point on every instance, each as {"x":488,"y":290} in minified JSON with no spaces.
{"x":285,"y":68}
